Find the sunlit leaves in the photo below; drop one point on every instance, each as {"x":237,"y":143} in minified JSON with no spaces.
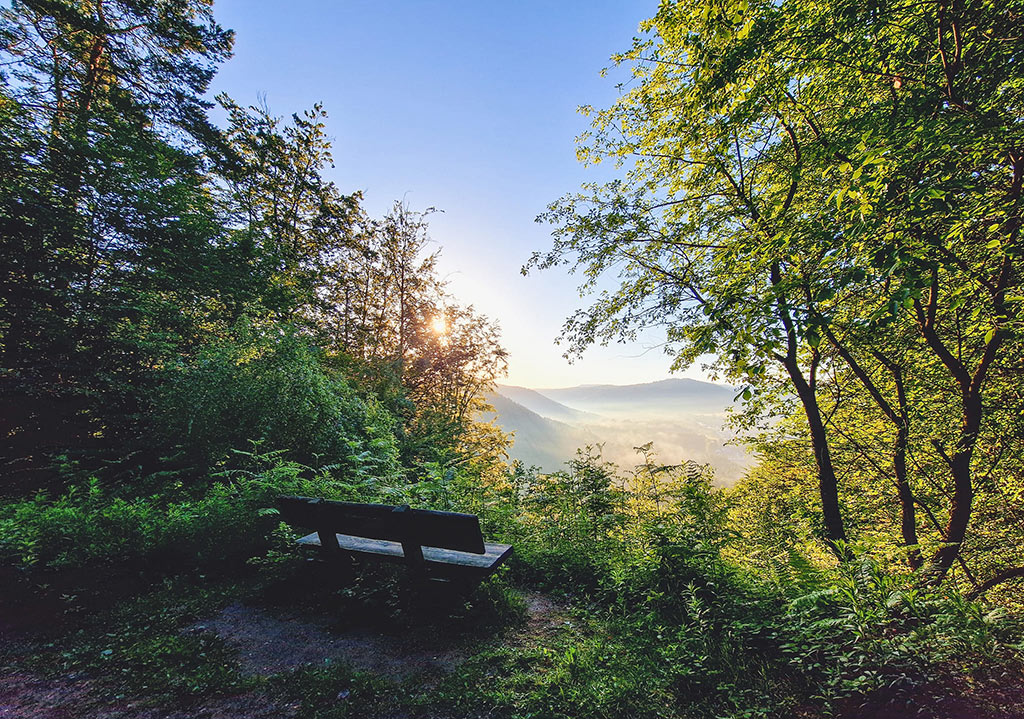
{"x":812,"y":183}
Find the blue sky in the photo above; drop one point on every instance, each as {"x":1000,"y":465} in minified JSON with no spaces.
{"x":466,"y":106}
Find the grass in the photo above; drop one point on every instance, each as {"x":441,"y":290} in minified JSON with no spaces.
{"x":138,"y":645}
{"x":600,"y":660}
{"x":145,"y":646}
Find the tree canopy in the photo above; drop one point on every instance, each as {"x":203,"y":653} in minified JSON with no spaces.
{"x":826,"y":195}
{"x":173,"y":287}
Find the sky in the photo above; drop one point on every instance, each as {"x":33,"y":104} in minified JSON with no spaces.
{"x":467,"y":106}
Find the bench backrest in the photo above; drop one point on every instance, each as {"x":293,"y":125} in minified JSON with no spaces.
{"x":426,"y":527}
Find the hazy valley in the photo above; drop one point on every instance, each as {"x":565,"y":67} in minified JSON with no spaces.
{"x":684,"y":419}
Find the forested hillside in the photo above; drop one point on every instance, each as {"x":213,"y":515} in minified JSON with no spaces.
{"x":537,"y":440}
{"x":821,"y":201}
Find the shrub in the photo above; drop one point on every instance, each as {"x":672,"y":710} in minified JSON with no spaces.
{"x":868,"y":630}
{"x":274,"y":387}
{"x":89,"y":526}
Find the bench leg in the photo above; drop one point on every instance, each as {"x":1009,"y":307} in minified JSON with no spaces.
{"x":345,"y":567}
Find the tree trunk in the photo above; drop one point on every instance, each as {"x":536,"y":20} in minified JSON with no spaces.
{"x":828,"y":485}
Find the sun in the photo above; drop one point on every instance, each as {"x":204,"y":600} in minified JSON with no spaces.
{"x":439,"y":325}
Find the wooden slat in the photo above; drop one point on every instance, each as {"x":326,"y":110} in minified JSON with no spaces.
{"x":448,"y":530}
{"x":362,"y":520}
{"x":493,"y":556}
{"x":430,"y":528}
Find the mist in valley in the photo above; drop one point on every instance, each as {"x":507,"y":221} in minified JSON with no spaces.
{"x":683,"y":418}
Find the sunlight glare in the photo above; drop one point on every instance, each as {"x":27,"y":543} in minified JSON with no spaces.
{"x":439,"y":325}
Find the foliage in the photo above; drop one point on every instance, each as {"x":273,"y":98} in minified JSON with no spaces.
{"x":870,"y":631}
{"x":107,"y":219}
{"x":825,"y":197}
{"x":704,"y":607}
{"x":150,"y":249}
{"x":662,"y":624}
{"x":392,"y":312}
{"x":289,"y":224}
{"x":98,"y":528}
{"x":275,"y":388}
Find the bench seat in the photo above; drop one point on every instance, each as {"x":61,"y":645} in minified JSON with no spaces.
{"x":434,"y":557}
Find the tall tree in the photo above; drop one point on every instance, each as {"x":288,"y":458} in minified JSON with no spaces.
{"x":802,"y":173}
{"x":392,"y":311}
{"x":291,"y":227}
{"x":104,"y":197}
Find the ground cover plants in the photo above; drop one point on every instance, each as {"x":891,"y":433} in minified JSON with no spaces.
{"x":654,"y":620}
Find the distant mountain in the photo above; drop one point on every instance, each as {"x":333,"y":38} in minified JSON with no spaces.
{"x":544,"y":406}
{"x":538,"y":441}
{"x":683,"y":418}
{"x":666,"y":398}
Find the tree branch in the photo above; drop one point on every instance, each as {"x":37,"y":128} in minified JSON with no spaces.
{"x":1003,"y":576}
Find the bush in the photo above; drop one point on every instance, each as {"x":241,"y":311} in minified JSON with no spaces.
{"x":89,"y":526}
{"x":868,"y":630}
{"x":277,"y":389}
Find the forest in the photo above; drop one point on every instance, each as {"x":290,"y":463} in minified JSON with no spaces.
{"x":821,"y":201}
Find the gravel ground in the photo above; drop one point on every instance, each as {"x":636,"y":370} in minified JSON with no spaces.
{"x":269,"y":644}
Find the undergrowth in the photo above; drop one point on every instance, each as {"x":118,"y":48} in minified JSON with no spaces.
{"x":661,"y":623}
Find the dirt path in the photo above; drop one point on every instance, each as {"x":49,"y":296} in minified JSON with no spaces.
{"x":267,"y":643}
{"x":270,"y":643}
{"x":23,"y":696}
{"x":544,"y":617}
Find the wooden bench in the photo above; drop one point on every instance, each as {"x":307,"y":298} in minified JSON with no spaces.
{"x":435,"y":546}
